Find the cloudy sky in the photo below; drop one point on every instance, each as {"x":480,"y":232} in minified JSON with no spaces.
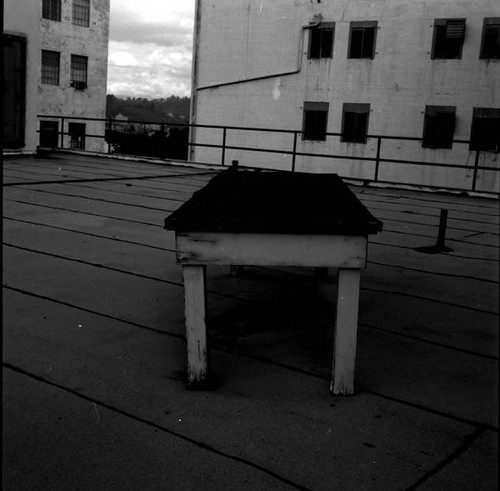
{"x":150,"y":44}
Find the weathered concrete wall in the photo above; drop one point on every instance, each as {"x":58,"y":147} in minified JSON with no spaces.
{"x":22,"y":18}
{"x":245,"y":39}
{"x":92,"y":41}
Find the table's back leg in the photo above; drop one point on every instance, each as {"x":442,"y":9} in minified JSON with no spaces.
{"x":196,"y":335}
{"x":346,"y":326}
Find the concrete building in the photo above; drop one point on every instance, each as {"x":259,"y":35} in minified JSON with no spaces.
{"x":357,"y":68}
{"x":21,"y":60}
{"x":74,"y":37}
{"x":56,"y":54}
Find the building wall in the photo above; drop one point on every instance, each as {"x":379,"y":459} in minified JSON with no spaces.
{"x":22,"y":18}
{"x":238,"y":40}
{"x":69,"y":39}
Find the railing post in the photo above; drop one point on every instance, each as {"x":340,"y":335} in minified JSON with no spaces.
{"x":377,"y":162}
{"x":294,"y":154}
{"x":110,"y":130}
{"x":224,"y":132}
{"x":62,"y":132}
{"x":474,"y":176}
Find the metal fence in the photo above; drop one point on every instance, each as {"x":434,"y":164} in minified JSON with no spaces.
{"x":112,"y":128}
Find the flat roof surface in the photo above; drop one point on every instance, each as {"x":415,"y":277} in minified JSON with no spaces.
{"x":243,"y":201}
{"x":94,"y":386}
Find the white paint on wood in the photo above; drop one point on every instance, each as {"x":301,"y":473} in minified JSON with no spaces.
{"x":272,"y":249}
{"x":346,"y":326}
{"x":196,"y":337}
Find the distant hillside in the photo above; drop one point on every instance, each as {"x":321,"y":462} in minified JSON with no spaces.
{"x":173,"y":109}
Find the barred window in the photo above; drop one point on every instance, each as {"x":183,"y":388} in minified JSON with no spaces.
{"x":490,"y":43}
{"x":81,"y":12}
{"x":355,"y":122}
{"x":362,"y":39}
{"x":449,"y":35}
{"x":51,"y":9}
{"x":76,"y":133}
{"x":315,"y":121}
{"x":50,"y":67}
{"x":79,"y":68}
{"x":485,"y":131}
{"x":439,"y":127}
{"x":321,"y":41}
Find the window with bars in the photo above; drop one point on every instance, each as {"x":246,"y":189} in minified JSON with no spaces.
{"x":485,"y":130}
{"x":315,"y":121}
{"x":439,"y":127}
{"x":449,"y":35}
{"x":76,"y":133}
{"x":321,"y":41}
{"x":49,"y":134}
{"x":50,"y":67}
{"x":81,"y":13}
{"x":355,"y":122}
{"x":79,"y":71}
{"x":51,"y":9}
{"x":362,"y":39}
{"x":490,"y":43}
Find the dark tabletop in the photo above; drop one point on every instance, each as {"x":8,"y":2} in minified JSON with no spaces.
{"x":274,"y":202}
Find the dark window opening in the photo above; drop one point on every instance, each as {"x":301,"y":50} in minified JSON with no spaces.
{"x":51,"y":9}
{"x":79,"y":70}
{"x":362,"y":39}
{"x":81,"y":13}
{"x":449,"y":35}
{"x":315,"y":121}
{"x":321,"y":41}
{"x":76,"y":133}
{"x":485,"y":131}
{"x":49,"y":134}
{"x":50,"y":67}
{"x":490,"y":44}
{"x":355,"y":122}
{"x":439,"y":127}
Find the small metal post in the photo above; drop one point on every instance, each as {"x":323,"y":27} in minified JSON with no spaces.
{"x":62,"y":132}
{"x":294,"y":153}
{"x":234,"y":164}
{"x":474,"y":176}
{"x":442,"y":229}
{"x":377,"y":162}
{"x":224,"y":132}
{"x":110,"y":129}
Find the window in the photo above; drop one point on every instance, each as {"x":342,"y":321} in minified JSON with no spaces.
{"x":49,"y":134}
{"x":355,"y":122}
{"x":485,"y":131}
{"x":449,"y":37}
{"x":50,"y":67}
{"x":321,"y":41}
{"x":490,"y":44}
{"x":439,"y":127}
{"x":315,"y":121}
{"x":81,"y":13}
{"x":76,"y":133}
{"x":79,"y":71}
{"x":362,"y":39}
{"x":51,"y":9}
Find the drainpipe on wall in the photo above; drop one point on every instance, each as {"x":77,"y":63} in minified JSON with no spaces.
{"x":194,"y":78}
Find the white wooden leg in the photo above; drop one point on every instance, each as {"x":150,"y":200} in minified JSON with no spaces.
{"x":346,"y":326}
{"x":196,"y":335}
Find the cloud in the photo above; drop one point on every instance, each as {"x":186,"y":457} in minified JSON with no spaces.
{"x":150,"y":48}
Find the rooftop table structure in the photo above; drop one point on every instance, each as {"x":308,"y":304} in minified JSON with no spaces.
{"x":263,"y":218}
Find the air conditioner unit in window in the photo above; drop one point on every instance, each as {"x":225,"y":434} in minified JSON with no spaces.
{"x":78,"y":85}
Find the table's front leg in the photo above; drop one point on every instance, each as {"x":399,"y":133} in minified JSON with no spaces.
{"x":196,"y":335}
{"x":346,"y":326}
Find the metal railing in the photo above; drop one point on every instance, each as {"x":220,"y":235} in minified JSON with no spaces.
{"x":112,"y":127}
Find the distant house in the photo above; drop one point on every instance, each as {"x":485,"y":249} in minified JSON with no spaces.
{"x":407,"y":68}
{"x":61,"y":72}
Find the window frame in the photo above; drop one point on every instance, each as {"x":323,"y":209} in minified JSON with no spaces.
{"x":47,"y":130}
{"x":355,"y":108}
{"x":355,"y":25}
{"x":438,"y":25}
{"x":315,"y":107}
{"x":489,"y":21}
{"x":428,"y":140}
{"x":78,"y":80}
{"x":51,"y":6}
{"x":479,"y":113}
{"x":43,"y":74}
{"x":77,"y":138}
{"x":80,"y":13}
{"x":321,"y":29}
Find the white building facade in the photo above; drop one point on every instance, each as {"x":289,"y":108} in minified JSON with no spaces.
{"x":363,"y":70}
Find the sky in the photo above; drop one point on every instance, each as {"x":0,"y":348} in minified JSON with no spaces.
{"x":150,"y":43}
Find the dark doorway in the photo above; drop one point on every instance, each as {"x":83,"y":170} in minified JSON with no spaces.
{"x":49,"y":134}
{"x":14,"y":90}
